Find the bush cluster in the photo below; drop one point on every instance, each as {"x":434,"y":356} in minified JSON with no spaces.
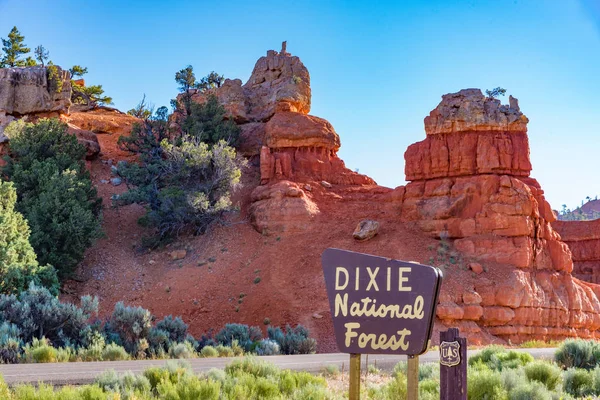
{"x":55,"y":192}
{"x":498,"y":358}
{"x":293,"y":340}
{"x":578,"y":353}
{"x":244,"y":379}
{"x":185,"y":187}
{"x":36,"y":327}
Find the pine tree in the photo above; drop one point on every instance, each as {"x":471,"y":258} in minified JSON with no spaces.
{"x":13,"y":48}
{"x":18,"y":262}
{"x":41,"y":54}
{"x":89,"y":95}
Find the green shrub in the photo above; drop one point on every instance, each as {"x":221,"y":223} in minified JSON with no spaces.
{"x":485,"y":355}
{"x":128,"y":383}
{"x":55,"y":192}
{"x":209,"y":352}
{"x":207,"y":122}
{"x":331,"y":370}
{"x":512,"y":378}
{"x":136,"y":383}
{"x":65,"y":354}
{"x":175,"y":328}
{"x":4,"y":391}
{"x":216,"y":374}
{"x":182,"y":350}
{"x":578,"y":382}
{"x":426,"y":370}
{"x":544,"y":372}
{"x":114,"y":352}
{"x":394,"y":389}
{"x":312,"y":392}
{"x":18,"y":263}
{"x":231,"y":332}
{"x":155,"y":376}
{"x":429,"y":388}
{"x":267,"y":347}
{"x":578,"y":353}
{"x":127,"y":325}
{"x":485,"y":384}
{"x":530,"y":391}
{"x":189,"y":388}
{"x":224,"y":351}
{"x":252,"y":366}
{"x":40,"y":351}
{"x":186,"y":189}
{"x":37,"y":313}
{"x":498,"y":358}
{"x":10,"y":343}
{"x":294,"y":340}
{"x":244,"y":380}
{"x":109,"y":381}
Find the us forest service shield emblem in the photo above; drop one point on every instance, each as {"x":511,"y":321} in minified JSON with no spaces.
{"x":449,"y":354}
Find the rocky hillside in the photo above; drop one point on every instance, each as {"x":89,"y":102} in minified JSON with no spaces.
{"x":470,"y":207}
{"x":32,"y":93}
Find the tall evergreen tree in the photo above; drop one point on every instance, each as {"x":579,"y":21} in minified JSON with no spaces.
{"x":18,"y":262}
{"x":13,"y":48}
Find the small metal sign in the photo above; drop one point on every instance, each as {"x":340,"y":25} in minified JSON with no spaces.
{"x":449,"y":353}
{"x":380,"y":305}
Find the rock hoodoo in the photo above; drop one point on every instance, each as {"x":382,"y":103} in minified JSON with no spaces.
{"x":470,"y":134}
{"x":272,"y":111}
{"x":470,"y":184}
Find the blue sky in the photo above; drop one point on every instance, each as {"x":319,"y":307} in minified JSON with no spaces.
{"x":377,"y":68}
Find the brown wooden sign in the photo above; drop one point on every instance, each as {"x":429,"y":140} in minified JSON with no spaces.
{"x":380,"y":305}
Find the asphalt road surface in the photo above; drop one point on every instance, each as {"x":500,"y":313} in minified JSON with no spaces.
{"x":78,"y":373}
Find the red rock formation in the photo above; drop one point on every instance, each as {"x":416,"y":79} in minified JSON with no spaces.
{"x":102,"y":121}
{"x":88,"y":139}
{"x":470,"y":184}
{"x":583,"y":238}
{"x":271,"y":110}
{"x":469,"y":134}
{"x":281,"y":207}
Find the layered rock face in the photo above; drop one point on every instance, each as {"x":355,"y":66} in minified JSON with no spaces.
{"x":470,"y":184}
{"x":583,"y":238}
{"x":27,"y":91}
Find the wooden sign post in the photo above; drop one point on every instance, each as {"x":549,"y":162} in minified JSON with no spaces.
{"x":453,"y":366}
{"x":380,"y":306}
{"x":354,"y":377}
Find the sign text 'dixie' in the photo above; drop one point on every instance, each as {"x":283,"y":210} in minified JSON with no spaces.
{"x":379,"y":305}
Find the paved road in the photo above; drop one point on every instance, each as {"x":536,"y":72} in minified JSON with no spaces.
{"x":78,"y":373}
